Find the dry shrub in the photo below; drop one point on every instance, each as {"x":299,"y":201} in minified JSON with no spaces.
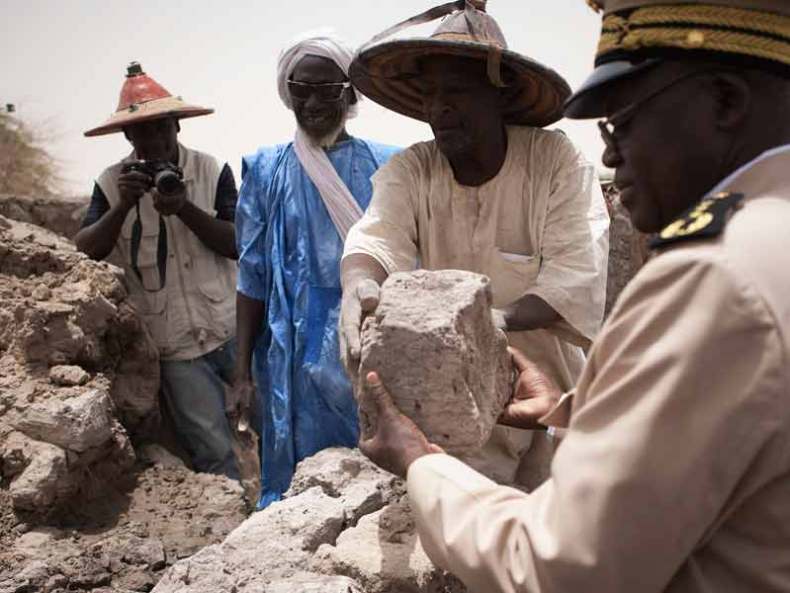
{"x":26,"y":167}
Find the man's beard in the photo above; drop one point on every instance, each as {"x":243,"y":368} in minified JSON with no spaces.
{"x":328,"y":139}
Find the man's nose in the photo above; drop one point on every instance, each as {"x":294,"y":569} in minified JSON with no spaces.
{"x":313,"y":102}
{"x":439,"y":107}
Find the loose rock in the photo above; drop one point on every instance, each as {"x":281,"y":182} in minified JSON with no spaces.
{"x":434,"y":344}
{"x":68,"y":375}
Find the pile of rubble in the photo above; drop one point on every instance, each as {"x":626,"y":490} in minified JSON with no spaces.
{"x":343,"y":527}
{"x":83,"y":502}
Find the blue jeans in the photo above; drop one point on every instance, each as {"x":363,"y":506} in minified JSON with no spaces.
{"x":194,"y":392}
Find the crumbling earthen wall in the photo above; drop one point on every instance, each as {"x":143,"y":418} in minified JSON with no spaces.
{"x":59,"y":214}
{"x":80,"y":509}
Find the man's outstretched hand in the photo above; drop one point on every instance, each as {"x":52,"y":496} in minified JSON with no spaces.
{"x":534,"y":395}
{"x":393,"y":441}
{"x":359,"y":300}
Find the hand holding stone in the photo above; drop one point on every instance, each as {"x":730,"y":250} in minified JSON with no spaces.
{"x":359,"y":301}
{"x":534,"y":395}
{"x":389,"y":439}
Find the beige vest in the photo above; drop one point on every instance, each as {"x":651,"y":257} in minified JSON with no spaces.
{"x":194,"y":312}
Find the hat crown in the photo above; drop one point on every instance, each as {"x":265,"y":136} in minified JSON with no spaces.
{"x":139,"y":88}
{"x":473,"y":25}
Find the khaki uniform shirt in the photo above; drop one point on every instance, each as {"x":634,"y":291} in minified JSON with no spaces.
{"x":539,"y":227}
{"x":675,"y":472}
{"x":194,"y":313}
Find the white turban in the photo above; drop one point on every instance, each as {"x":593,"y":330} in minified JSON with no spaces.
{"x":342,"y":207}
{"x":323,"y":43}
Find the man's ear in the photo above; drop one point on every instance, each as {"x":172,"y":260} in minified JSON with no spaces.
{"x":733,"y":96}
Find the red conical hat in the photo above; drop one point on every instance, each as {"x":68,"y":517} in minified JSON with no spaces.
{"x":143,"y":99}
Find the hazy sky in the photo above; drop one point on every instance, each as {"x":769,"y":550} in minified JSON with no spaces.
{"x":63,"y":65}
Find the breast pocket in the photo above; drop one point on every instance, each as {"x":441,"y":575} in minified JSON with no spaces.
{"x":512,"y":274}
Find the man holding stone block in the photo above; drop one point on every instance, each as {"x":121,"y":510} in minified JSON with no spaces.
{"x":493,"y":194}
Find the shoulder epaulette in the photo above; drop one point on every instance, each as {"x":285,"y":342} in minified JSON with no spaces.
{"x":704,"y":220}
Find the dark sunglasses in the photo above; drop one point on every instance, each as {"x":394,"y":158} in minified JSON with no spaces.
{"x":327,"y":91}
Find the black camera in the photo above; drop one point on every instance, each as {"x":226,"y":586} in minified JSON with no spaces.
{"x":165,"y":176}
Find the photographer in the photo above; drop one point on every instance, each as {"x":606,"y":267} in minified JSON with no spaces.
{"x":165,"y":215}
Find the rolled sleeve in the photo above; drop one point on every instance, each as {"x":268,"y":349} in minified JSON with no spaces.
{"x":575,"y":247}
{"x":652,"y":457}
{"x":251,"y":225}
{"x":387,"y":231}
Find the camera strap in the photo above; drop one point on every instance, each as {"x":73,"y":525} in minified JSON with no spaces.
{"x":161,"y":250}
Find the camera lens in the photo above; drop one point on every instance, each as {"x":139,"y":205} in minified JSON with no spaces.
{"x":168,"y":183}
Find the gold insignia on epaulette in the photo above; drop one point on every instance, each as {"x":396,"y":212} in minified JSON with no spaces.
{"x":703,"y":220}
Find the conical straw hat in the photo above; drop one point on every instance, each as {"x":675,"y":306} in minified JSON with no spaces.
{"x":143,"y":99}
{"x":388,"y":72}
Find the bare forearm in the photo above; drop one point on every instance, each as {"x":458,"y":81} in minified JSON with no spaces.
{"x":98,"y":240}
{"x":358,"y":267}
{"x":217,"y":235}
{"x":528,"y":313}
{"x":249,"y":318}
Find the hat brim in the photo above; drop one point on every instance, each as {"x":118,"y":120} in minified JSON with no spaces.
{"x":387,"y":73}
{"x":149,"y":111}
{"x":588,"y":102}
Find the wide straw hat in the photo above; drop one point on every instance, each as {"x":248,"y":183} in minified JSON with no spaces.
{"x":143,"y":99}
{"x":388,"y":72}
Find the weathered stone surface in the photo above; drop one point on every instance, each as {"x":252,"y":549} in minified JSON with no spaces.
{"x":434,"y":344}
{"x":383,"y":553}
{"x":273,"y":548}
{"x":345,"y":474}
{"x":57,"y":307}
{"x":45,"y":479}
{"x":68,"y":375}
{"x":343,"y":526}
{"x":314,"y":583}
{"x":77,"y":423}
{"x":59,"y":214}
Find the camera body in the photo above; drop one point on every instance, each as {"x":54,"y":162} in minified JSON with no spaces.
{"x":167,"y":178}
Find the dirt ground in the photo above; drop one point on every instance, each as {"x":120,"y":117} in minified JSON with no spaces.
{"x":123,"y":539}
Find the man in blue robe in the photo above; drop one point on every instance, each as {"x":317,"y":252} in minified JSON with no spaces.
{"x":296,"y":204}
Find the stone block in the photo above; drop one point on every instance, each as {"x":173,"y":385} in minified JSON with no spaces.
{"x":77,"y":423}
{"x":45,"y":480}
{"x":383,"y":553}
{"x":68,"y":375}
{"x":434,"y":344}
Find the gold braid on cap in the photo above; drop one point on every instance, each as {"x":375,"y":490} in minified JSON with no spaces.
{"x":715,"y":28}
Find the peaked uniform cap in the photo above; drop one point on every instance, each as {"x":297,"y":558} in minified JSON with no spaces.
{"x":143,"y":99}
{"x":637,"y":34}
{"x":388,"y":71}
